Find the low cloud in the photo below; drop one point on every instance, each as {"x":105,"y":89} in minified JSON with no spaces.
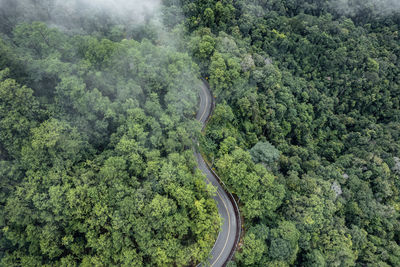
{"x":358,"y":7}
{"x":133,"y":10}
{"x":73,"y":14}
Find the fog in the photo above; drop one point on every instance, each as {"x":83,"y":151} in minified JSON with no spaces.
{"x":72,"y":14}
{"x":131,"y":10}
{"x":377,"y":7}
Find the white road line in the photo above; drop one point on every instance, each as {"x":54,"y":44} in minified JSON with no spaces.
{"x":223,"y":201}
{"x":205,"y":107}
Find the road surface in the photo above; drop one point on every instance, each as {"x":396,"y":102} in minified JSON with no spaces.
{"x":227,"y":239}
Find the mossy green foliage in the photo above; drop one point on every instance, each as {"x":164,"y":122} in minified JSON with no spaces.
{"x":306,"y":127}
{"x":96,"y":160}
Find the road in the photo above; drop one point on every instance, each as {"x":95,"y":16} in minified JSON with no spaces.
{"x":225,"y":244}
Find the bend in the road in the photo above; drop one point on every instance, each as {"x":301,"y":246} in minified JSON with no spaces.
{"x":228,"y":237}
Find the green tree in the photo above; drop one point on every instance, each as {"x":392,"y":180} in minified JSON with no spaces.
{"x":284,"y":242}
{"x":264,"y":152}
{"x":20,"y":113}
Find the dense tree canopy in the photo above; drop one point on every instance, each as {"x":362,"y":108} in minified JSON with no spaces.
{"x":97,"y":122}
{"x":306,"y":127}
{"x":96,"y":164}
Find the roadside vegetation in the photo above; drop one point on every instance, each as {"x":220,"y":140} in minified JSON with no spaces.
{"x":306,"y":127}
{"x":96,"y":159}
{"x":97,"y":122}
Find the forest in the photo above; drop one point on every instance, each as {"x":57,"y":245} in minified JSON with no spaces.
{"x":97,"y":122}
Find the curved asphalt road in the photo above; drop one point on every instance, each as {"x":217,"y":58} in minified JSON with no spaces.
{"x":226,"y":241}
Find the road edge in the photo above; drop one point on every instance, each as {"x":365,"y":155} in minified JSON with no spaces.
{"x":230,"y":196}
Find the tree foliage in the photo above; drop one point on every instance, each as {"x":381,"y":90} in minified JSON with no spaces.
{"x":305,"y":130}
{"x":96,"y":164}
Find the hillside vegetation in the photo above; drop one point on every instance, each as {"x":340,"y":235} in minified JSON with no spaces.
{"x":96,"y":160}
{"x":306,"y":131}
{"x":97,"y":122}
